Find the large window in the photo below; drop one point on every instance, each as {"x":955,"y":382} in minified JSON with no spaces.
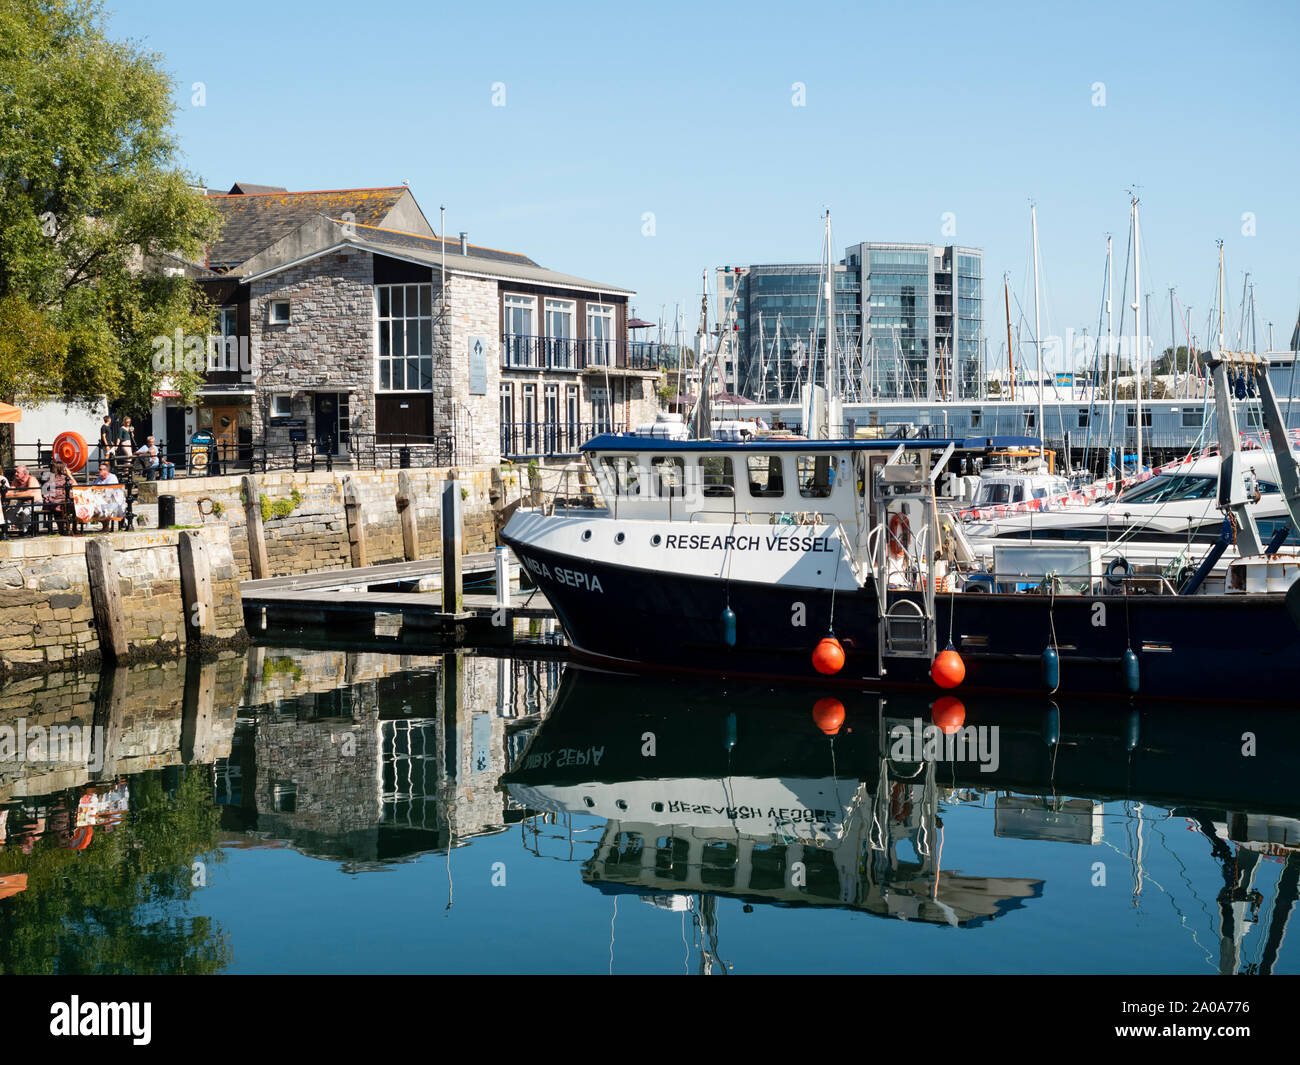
{"x":560,"y":335}
{"x":600,"y":334}
{"x":600,"y":410}
{"x":816,"y":475}
{"x":405,"y":337}
{"x":716,"y":476}
{"x":519,"y":344}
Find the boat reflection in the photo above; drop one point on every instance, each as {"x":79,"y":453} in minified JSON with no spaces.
{"x":777,"y":796}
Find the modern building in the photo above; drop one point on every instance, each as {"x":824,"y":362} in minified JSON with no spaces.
{"x":334,"y":329}
{"x":908,"y":323}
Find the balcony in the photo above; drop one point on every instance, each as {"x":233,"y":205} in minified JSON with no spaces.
{"x":550,"y":439}
{"x":569,"y":355}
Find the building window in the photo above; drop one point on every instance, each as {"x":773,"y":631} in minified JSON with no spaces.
{"x":223,"y":345}
{"x":600,"y":334}
{"x":552,"y":426}
{"x":600,"y":410}
{"x":560,"y":337}
{"x":279,"y":312}
{"x":1083,"y":418}
{"x":519,"y":343}
{"x":573,"y":415}
{"x":1131,"y":418}
{"x":282,"y":405}
{"x":974,"y":419}
{"x":405,"y":317}
{"x":1191,"y":418}
{"x":530,"y":418}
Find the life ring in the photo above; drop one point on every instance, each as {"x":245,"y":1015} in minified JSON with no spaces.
{"x":1114,"y":576}
{"x":900,"y":535}
{"x":70,"y":448}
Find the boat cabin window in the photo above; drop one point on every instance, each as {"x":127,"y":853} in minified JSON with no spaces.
{"x":816,"y":475}
{"x":717,"y":476}
{"x":1172,"y":488}
{"x":993,"y":492}
{"x":668,"y":476}
{"x":1018,"y":494}
{"x":765,"y":477}
{"x":621,"y":475}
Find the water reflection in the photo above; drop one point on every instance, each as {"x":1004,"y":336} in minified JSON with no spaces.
{"x":127,"y":802}
{"x":774,"y":796}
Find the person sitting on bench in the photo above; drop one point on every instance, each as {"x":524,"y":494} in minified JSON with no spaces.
{"x":157,"y":467}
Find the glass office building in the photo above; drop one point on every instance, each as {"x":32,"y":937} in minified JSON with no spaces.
{"x":908,"y":324}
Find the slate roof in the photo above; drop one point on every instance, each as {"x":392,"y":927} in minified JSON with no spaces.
{"x":399,"y":239}
{"x":254,"y":221}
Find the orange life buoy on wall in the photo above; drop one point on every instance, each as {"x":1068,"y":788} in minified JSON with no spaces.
{"x":70,"y":448}
{"x":900,"y":535}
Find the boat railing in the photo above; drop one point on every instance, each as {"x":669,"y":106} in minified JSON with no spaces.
{"x":561,"y":489}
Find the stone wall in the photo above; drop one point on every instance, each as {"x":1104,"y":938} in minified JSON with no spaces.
{"x":46,"y":614}
{"x":314,"y":536}
{"x":328,"y":343}
{"x":473,"y":311}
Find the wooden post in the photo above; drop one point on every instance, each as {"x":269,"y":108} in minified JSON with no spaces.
{"x":198,"y":713}
{"x":356,"y":527}
{"x":106,"y":600}
{"x":453,"y":590}
{"x":406,"y":512}
{"x":196,"y":588}
{"x":535,"y":486}
{"x":110,"y":712}
{"x":257,"y":563}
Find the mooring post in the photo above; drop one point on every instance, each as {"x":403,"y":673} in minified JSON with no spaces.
{"x":406,"y":513}
{"x":110,"y":714}
{"x":257,"y":564}
{"x":106,"y":600}
{"x":198,"y":713}
{"x":356,"y":527}
{"x":196,"y":588}
{"x":502,"y":560}
{"x":453,"y":591}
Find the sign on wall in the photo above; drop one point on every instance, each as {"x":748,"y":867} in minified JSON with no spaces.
{"x":478,"y":348}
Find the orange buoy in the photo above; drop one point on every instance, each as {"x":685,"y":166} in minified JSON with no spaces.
{"x":949,"y":714}
{"x":70,"y":448}
{"x":828,"y":655}
{"x":948,"y":669}
{"x":828,"y":713}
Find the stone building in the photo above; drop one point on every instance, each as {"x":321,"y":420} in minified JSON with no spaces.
{"x":344,"y":321}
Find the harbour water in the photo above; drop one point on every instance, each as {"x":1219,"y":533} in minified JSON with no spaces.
{"x":323,"y":811}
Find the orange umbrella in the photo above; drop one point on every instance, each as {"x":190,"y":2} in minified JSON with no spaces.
{"x":10,"y":413}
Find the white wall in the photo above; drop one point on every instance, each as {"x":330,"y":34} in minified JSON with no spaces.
{"x":45,"y":421}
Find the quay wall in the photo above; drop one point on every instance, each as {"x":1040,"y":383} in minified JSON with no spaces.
{"x":314,"y":535}
{"x":47,"y":618}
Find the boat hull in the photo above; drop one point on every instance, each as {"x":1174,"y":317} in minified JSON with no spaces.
{"x":1218,"y":647}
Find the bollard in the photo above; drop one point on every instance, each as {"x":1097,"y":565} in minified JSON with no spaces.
{"x":166,"y":511}
{"x":502,"y":560}
{"x":453,"y":590}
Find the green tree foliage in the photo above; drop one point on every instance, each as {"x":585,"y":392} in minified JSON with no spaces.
{"x":121,"y":905}
{"x":91,"y":203}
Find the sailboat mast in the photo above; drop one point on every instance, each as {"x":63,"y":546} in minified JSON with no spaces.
{"x":1038,"y":336}
{"x":1011,"y":363}
{"x":1137,"y":326}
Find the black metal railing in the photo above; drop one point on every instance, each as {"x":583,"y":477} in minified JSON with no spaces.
{"x":549,"y":439}
{"x":519,"y":352}
{"x":401,"y":450}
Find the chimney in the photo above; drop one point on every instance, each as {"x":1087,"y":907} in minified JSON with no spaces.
{"x":464,"y":243}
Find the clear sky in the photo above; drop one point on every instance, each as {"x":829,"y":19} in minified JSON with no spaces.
{"x":687,"y":111}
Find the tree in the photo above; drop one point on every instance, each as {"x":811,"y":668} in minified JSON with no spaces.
{"x":91,"y":203}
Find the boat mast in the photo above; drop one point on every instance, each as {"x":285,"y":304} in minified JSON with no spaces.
{"x":1011,"y":364}
{"x":1038,"y":336}
{"x":1110,"y":336}
{"x":1137,"y":327}
{"x":1173,"y":340}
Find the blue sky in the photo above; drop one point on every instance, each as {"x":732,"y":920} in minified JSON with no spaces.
{"x":685,"y":110}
